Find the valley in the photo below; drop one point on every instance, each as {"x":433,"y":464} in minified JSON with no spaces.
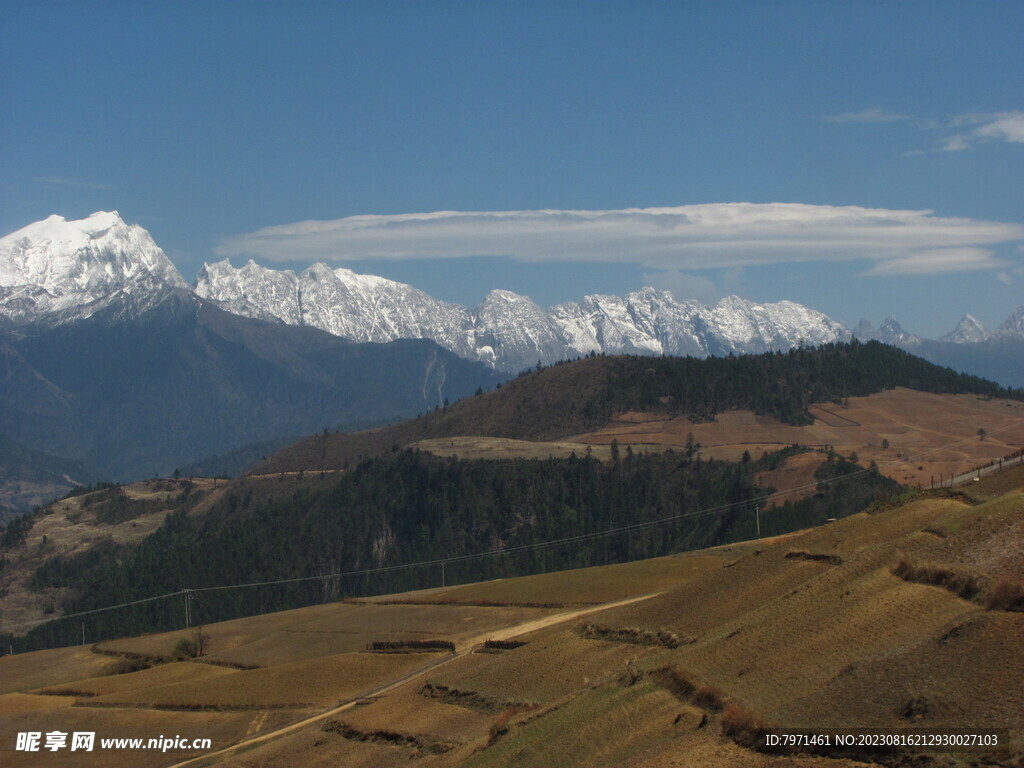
{"x":511,"y":385}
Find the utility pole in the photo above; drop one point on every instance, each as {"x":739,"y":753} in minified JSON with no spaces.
{"x":757,"y":515}
{"x":442,"y":572}
{"x":188,"y":608}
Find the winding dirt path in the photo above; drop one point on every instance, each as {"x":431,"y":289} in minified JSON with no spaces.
{"x":462,"y":649}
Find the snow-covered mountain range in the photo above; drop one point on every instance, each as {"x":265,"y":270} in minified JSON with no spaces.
{"x":55,"y":271}
{"x":509,"y":331}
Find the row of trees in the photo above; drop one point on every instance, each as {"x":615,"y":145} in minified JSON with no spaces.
{"x":519,"y":516}
{"x":781,"y":384}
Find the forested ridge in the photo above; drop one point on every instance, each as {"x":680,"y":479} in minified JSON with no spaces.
{"x":409,"y":507}
{"x":574,"y":397}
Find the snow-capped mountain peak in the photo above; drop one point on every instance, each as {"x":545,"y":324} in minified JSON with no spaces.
{"x":891,"y":332}
{"x":55,"y":270}
{"x":1013,"y":326}
{"x":968,"y":331}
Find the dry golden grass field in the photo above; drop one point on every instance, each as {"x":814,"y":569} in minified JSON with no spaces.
{"x":928,"y":435}
{"x":906,"y":617}
{"x":915,"y":437}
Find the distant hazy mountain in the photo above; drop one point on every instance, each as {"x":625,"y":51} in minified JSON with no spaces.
{"x":891,"y":332}
{"x":29,"y":478}
{"x":968,"y":331}
{"x":1013,"y":326}
{"x":969,"y":347}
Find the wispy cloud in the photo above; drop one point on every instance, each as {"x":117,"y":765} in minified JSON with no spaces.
{"x":939,"y":261}
{"x":870,"y":115}
{"x":969,"y":129}
{"x":61,"y":181}
{"x":718,"y":235}
{"x":992,"y":126}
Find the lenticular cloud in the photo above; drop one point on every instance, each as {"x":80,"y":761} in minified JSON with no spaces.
{"x":684,"y":237}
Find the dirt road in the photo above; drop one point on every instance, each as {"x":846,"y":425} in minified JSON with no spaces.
{"x":462,"y":649}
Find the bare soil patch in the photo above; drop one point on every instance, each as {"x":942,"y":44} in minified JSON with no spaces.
{"x":926,"y":434}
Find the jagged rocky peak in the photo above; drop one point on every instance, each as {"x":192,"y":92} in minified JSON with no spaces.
{"x":891,"y":332}
{"x":251,"y":290}
{"x":1013,"y":326}
{"x":510,"y":331}
{"x":865,"y":330}
{"x":63,"y":269}
{"x":738,"y":325}
{"x":339,"y":301}
{"x":515,"y":331}
{"x":968,"y":331}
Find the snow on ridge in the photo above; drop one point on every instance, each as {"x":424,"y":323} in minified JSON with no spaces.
{"x":63,"y":269}
{"x":969,"y":330}
{"x":510,"y":331}
{"x":66,"y":268}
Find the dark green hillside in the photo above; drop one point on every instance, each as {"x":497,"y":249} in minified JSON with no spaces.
{"x":579,"y":396}
{"x":411,"y":507}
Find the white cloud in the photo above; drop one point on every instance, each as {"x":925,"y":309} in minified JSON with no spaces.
{"x":61,"y":181}
{"x":938,"y":261}
{"x":1004,"y":278}
{"x":870,"y":115}
{"x":956,"y":143}
{"x":993,"y":126}
{"x":718,"y":235}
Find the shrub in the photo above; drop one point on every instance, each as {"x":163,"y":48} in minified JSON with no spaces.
{"x":960,"y":583}
{"x":742,"y":727}
{"x":708,"y":697}
{"x":128,"y":664}
{"x":633,"y":635}
{"x":677,"y":683}
{"x":1007,"y":594}
{"x":410,"y":646}
{"x":504,"y":645}
{"x":500,"y":725}
{"x":914,"y":709}
{"x":191,"y":647}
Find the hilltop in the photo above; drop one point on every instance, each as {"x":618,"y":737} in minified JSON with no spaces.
{"x":578,"y":397}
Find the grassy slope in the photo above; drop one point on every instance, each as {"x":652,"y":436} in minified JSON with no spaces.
{"x":797,"y":641}
{"x":535,"y":406}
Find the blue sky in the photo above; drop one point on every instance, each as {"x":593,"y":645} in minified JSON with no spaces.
{"x":222,"y":126}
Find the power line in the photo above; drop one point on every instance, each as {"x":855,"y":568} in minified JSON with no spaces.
{"x":720,"y":509}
